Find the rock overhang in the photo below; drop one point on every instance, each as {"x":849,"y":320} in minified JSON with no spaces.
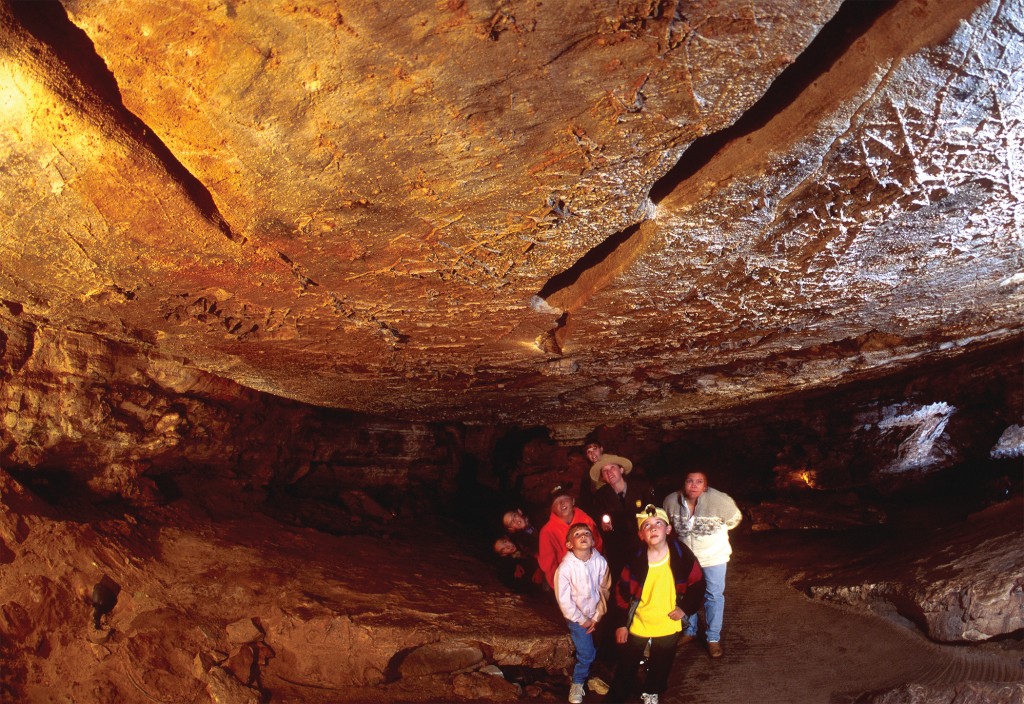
{"x":552,"y":214}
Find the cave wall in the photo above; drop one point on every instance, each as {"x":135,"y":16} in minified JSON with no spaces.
{"x":84,"y":412}
{"x":108,"y":418}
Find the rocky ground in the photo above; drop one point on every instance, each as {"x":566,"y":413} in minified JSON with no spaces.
{"x":215,"y":602}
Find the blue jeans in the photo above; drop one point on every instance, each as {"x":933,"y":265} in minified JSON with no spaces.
{"x":714,"y":603}
{"x":586,"y":651}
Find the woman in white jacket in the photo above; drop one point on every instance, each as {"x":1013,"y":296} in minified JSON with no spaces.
{"x":702,"y":518}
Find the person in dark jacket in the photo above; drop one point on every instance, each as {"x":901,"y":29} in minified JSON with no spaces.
{"x":591,"y":451}
{"x":616,"y":502}
{"x":658,"y":589}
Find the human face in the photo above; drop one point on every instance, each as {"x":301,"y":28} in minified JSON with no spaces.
{"x":593,"y":451}
{"x":654,"y":531}
{"x":612,"y":473}
{"x":563,"y":507}
{"x":580,"y":539}
{"x":515,"y":520}
{"x":695,"y":485}
{"x":504,"y":547}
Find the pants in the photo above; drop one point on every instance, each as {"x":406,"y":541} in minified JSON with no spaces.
{"x":586,"y":652}
{"x":714,"y":603}
{"x":659,"y":664}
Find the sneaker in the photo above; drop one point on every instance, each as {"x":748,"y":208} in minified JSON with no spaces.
{"x":576,"y":693}
{"x":649,"y":698}
{"x":715,"y":649}
{"x":596,"y":684}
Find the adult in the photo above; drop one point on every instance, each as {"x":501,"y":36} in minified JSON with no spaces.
{"x":616,"y":503}
{"x":554,"y":533}
{"x":592,"y":449}
{"x":702,"y":518}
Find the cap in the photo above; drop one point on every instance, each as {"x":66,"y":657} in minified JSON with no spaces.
{"x":651,"y":511}
{"x":560,"y":490}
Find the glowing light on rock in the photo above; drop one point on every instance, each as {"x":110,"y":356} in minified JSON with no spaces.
{"x":16,"y":101}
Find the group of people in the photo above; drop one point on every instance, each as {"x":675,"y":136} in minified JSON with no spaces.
{"x":635,"y":577}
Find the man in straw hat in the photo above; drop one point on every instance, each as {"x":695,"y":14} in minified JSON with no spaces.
{"x":616,"y":503}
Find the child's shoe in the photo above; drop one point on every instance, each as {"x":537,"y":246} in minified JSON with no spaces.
{"x":596,"y":684}
{"x":576,"y":693}
{"x":649,"y":698}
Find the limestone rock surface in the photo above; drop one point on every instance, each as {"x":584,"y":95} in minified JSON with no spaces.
{"x":559,"y":213}
{"x":323,"y":617}
{"x":964,"y":585}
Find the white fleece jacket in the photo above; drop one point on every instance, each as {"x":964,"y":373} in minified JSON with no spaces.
{"x":582,"y":588}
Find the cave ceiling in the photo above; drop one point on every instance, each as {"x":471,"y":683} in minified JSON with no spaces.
{"x":553,"y":212}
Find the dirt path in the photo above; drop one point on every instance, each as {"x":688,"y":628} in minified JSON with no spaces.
{"x":784,"y":648}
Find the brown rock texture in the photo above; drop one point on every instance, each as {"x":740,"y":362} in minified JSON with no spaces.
{"x":965,"y":584}
{"x":217,"y":600}
{"x":562,"y":213}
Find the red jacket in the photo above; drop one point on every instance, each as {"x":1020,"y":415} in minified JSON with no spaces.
{"x":552,"y":542}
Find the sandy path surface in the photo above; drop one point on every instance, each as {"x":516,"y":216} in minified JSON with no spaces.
{"x":783,"y":648}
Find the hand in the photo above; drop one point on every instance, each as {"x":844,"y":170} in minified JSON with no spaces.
{"x":621,"y":635}
{"x":590,"y":624}
{"x":676,"y":614}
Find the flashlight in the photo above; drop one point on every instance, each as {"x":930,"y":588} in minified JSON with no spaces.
{"x":606,"y":520}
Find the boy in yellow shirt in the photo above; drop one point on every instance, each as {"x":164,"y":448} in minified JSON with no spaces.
{"x":660,"y":586}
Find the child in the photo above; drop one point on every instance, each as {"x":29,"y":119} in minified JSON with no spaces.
{"x":582,"y":583}
{"x":520,"y":531}
{"x":659,"y":587}
{"x":516,"y":570}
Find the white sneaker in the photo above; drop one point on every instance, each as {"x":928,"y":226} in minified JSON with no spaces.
{"x":576,"y":693}
{"x":649,"y":698}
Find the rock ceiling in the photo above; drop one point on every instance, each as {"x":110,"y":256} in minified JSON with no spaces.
{"x":527,"y":212}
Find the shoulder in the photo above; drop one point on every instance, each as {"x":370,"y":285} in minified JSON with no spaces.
{"x":720,"y":499}
{"x":640,"y":485}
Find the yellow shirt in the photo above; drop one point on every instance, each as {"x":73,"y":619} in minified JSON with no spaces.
{"x":657,"y":599}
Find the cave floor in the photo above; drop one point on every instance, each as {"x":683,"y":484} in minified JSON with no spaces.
{"x":783,"y":647}
{"x":337,"y":611}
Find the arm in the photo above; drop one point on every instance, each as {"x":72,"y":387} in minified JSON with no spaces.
{"x":605,"y":587}
{"x":674,"y":510}
{"x":692,"y":597}
{"x":547,"y":556}
{"x":733,"y":518}
{"x":563,"y":593}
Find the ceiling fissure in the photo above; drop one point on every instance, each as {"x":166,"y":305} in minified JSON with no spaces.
{"x":49,"y":23}
{"x":852,"y":21}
